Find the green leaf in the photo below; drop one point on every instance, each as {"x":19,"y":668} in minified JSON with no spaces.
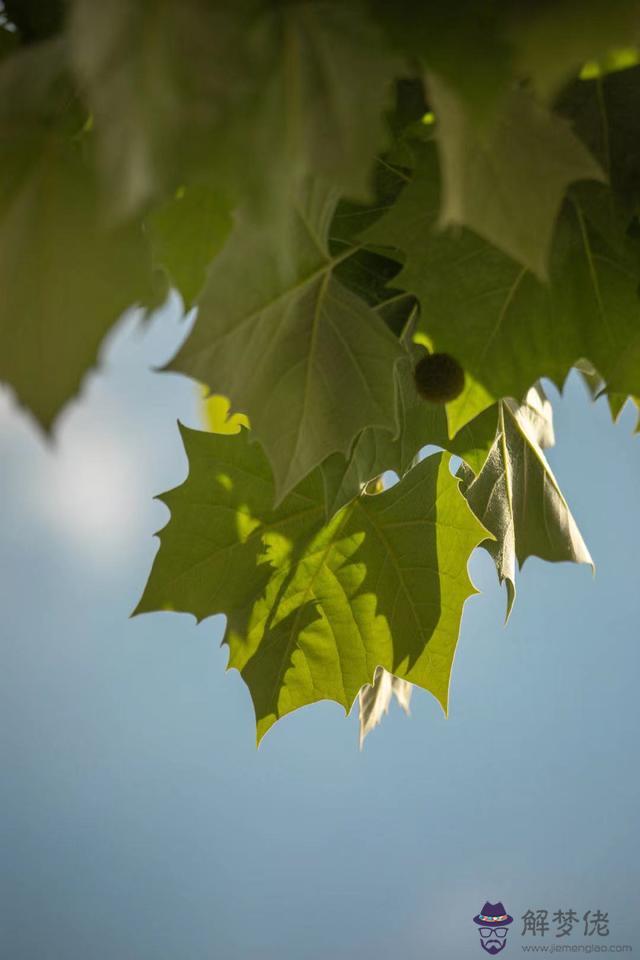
{"x":421,"y":424}
{"x":186,"y":233}
{"x":605,"y":114}
{"x":597,"y":388}
{"x":376,"y":450}
{"x":516,"y":496}
{"x":162,"y":81}
{"x":309,"y":362}
{"x":504,"y":327}
{"x":217,"y":415}
{"x":375,"y":699}
{"x":483,"y":49}
{"x":65,"y":278}
{"x":616,"y":403}
{"x":323,"y":106}
{"x":507,"y":183}
{"x":553,"y":41}
{"x":445,"y":37}
{"x":255,"y":96}
{"x":313,"y":609}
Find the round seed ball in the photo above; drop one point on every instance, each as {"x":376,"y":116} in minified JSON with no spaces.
{"x":439,"y":378}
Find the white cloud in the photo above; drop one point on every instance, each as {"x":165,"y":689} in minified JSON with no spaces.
{"x":91,"y":493}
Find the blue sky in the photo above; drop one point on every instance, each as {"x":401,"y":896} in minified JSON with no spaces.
{"x":139,"y":820}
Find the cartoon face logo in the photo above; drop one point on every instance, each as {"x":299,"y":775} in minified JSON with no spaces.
{"x":493,"y":923}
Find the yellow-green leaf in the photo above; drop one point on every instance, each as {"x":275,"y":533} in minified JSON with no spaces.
{"x":313,"y":608}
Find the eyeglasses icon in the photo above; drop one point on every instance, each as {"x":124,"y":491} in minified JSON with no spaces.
{"x":499,"y":932}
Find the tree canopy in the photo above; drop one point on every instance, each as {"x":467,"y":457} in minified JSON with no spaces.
{"x":392,"y":222}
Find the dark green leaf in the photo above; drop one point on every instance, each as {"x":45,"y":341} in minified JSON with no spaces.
{"x":65,"y":277}
{"x":308,"y":361}
{"x":255,"y":96}
{"x":421,"y":424}
{"x":186,"y":233}
{"x":507,"y":183}
{"x":503,"y":326}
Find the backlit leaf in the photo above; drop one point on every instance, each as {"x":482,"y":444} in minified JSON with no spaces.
{"x":516,"y":496}
{"x":375,"y":699}
{"x":313,"y":608}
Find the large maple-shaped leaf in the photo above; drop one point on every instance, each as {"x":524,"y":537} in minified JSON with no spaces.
{"x":313,"y":608}
{"x":505,"y":327}
{"x":64,"y":276}
{"x":507,"y":183}
{"x":517,"y":497}
{"x":308,"y":361}
{"x":256,"y":95}
{"x":375,"y":699}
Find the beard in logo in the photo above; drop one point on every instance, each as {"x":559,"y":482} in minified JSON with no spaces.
{"x":493,"y":940}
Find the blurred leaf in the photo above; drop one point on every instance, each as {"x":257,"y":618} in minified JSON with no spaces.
{"x":322,"y":109}
{"x":186,"y":233}
{"x":461,"y":40}
{"x":9,"y":42}
{"x":162,"y":80}
{"x":483,"y":49}
{"x":611,"y":62}
{"x":554,"y":39}
{"x":255,"y":96}
{"x":64,"y":277}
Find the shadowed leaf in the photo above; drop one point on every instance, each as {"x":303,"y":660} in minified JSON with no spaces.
{"x":308,"y":361}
